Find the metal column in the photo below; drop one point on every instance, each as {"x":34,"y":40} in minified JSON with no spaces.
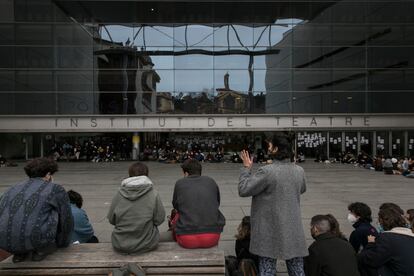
{"x":135,"y":146}
{"x":358,"y":142}
{"x":327,"y":145}
{"x":390,"y":143}
{"x":406,"y":143}
{"x":374,"y":143}
{"x":41,"y":145}
{"x":343,"y":142}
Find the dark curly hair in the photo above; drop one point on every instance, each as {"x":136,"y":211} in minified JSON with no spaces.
{"x":75,"y":198}
{"x":391,"y":218}
{"x":40,"y":167}
{"x":284,"y":142}
{"x":361,"y":210}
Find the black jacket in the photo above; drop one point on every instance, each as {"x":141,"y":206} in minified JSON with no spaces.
{"x":197,"y":200}
{"x":359,"y":237}
{"x":392,"y":252}
{"x":331,"y":256}
{"x":242,"y":249}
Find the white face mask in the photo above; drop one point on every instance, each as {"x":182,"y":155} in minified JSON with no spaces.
{"x":351,"y":218}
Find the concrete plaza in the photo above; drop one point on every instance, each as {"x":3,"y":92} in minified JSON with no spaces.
{"x":330,"y":188}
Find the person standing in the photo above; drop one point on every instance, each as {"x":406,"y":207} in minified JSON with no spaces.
{"x":35,"y":215}
{"x":277,"y":230}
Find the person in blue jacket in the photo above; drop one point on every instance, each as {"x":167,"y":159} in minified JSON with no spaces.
{"x":83,"y":230}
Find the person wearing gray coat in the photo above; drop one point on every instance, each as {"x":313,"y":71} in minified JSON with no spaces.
{"x":276,"y":221}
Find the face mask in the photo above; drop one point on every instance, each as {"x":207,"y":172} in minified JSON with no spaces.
{"x":380,"y":229}
{"x":351,"y":218}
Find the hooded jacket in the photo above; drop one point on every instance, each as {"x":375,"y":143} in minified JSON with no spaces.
{"x":136,"y":211}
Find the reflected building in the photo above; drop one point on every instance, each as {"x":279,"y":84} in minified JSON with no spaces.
{"x":129,"y":59}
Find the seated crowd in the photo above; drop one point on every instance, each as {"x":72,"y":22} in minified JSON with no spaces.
{"x":38,"y":216}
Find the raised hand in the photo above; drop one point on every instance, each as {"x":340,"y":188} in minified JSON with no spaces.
{"x":247,"y":161}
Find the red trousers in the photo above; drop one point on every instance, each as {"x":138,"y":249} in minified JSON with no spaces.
{"x":191,"y":241}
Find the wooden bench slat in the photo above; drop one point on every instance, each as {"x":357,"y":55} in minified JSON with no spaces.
{"x":98,"y":259}
{"x":104,"y":271}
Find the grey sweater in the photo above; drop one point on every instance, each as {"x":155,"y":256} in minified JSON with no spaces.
{"x":197,"y":200}
{"x":277,"y":230}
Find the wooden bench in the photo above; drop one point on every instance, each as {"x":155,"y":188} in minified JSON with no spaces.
{"x":99,"y":259}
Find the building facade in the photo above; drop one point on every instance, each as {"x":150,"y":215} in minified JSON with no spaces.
{"x":339,"y":73}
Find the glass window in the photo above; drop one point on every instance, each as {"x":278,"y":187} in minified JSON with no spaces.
{"x":7,"y":103}
{"x":233,"y":36}
{"x":7,"y":56}
{"x":118,"y":34}
{"x":155,"y":36}
{"x":74,"y":57}
{"x":7,"y":34}
{"x":272,"y":35}
{"x":35,"y":103}
{"x":34,"y":57}
{"x":193,"y":61}
{"x":228,"y":62}
{"x":382,"y":143}
{"x":193,"y":36}
{"x":75,"y":103}
{"x":398,"y":144}
{"x":7,"y":80}
{"x":194,"y":80}
{"x":72,"y":34}
{"x":41,"y":81}
{"x":366,"y":143}
{"x":311,"y":102}
{"x":236,"y":80}
{"x":79,"y":80}
{"x":34,"y":34}
{"x":335,"y":145}
{"x":351,"y":143}
{"x":312,"y":80}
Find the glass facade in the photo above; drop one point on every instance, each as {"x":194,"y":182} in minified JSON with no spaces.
{"x":132,"y":57}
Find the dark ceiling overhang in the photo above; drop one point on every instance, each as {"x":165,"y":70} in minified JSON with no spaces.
{"x":136,"y":13}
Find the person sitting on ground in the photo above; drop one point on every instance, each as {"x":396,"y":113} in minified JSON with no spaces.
{"x":198,"y":222}
{"x":136,"y":212}
{"x":35,"y":215}
{"x":410,"y":217}
{"x":82,"y":230}
{"x":328,"y":254}
{"x":360,"y":217}
{"x":242,"y":247}
{"x":395,"y":207}
{"x":392,"y":251}
{"x":335,"y":229}
{"x":387,"y":165}
{"x":3,"y":161}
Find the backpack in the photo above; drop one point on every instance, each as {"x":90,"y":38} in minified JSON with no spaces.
{"x":247,"y":267}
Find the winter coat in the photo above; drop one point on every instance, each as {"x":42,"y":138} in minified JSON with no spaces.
{"x":391,"y":252}
{"x":276,"y":221}
{"x":83,"y":229}
{"x":331,"y":256}
{"x":136,"y":211}
{"x":197,"y":200}
{"x":359,"y":237}
{"x":33,"y":215}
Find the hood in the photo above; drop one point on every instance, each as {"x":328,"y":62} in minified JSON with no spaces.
{"x":133,"y":188}
{"x":401,"y":231}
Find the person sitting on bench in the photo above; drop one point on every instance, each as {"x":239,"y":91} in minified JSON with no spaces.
{"x":35,"y":215}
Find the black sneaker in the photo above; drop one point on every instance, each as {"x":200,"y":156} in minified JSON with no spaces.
{"x":18,"y":258}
